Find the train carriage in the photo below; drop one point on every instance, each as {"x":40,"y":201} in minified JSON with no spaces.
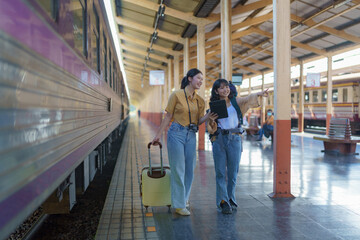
{"x":62,"y":94}
{"x":345,"y":98}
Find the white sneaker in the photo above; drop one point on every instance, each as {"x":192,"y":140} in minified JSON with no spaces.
{"x":182,"y":211}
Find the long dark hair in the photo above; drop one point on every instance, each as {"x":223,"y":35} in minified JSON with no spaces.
{"x":191,"y":73}
{"x":217,"y":84}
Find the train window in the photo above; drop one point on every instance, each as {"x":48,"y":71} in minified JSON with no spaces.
{"x":323,"y":95}
{"x":307,"y":96}
{"x":50,"y":7}
{"x":105,"y":58}
{"x":79,"y":25}
{"x":114,"y":74}
{"x":95,"y":40}
{"x":335,"y":95}
{"x":110,"y":72}
{"x":292,"y":98}
{"x":315,"y":96}
{"x":345,"y":94}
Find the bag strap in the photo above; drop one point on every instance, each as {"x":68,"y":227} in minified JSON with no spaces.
{"x":197,"y":103}
{"x":237,"y":108}
{"x":188,"y":106}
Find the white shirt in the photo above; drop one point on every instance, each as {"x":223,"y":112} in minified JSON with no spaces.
{"x":231,"y":121}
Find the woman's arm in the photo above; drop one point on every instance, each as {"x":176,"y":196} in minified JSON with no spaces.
{"x":250,"y":101}
{"x":207,"y":116}
{"x":162,"y":127}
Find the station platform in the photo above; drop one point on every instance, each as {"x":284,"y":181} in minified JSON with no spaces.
{"x":326,"y":190}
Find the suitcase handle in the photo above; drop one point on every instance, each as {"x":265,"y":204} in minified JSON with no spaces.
{"x":150,"y":143}
{"x":161,"y":160}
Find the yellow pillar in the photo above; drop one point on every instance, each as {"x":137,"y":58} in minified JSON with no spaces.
{"x":282,"y":100}
{"x":226,"y":44}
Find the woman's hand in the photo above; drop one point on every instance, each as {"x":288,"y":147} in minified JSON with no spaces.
{"x":263,"y":93}
{"x":212,"y":116}
{"x":155,"y":141}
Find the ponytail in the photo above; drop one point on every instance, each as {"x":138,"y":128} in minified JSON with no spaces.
{"x":191,"y":73}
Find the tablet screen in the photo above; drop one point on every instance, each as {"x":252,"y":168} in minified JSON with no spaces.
{"x":219,"y":107}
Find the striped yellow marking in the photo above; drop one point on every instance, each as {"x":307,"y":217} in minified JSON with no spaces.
{"x":151,"y":229}
{"x":149,"y":214}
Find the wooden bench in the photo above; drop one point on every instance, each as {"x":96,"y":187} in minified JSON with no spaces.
{"x":253,"y":127}
{"x":339,"y":139}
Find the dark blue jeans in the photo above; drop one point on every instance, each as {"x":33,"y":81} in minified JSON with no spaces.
{"x":266,"y":130}
{"x":226,"y":153}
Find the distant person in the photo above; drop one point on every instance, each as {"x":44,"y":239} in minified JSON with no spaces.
{"x":186,"y":108}
{"x":268,"y":126}
{"x":227,"y":142}
{"x":139,"y":113}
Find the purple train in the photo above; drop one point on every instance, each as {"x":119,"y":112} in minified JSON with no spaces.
{"x":62,"y":97}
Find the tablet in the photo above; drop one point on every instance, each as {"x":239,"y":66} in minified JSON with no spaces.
{"x":219,"y":107}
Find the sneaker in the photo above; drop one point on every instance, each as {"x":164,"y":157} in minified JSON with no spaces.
{"x":225,"y":208}
{"x":182,"y":211}
{"x":187,"y":204}
{"x":233,"y":205}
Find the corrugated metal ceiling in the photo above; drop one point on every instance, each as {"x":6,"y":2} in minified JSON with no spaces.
{"x":341,"y":31}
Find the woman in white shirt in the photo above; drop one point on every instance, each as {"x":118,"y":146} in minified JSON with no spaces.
{"x":226,"y":140}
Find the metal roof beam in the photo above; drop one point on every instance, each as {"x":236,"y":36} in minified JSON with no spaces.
{"x":151,"y":64}
{"x":240,"y":9}
{"x":144,"y":53}
{"x":332,"y":31}
{"x":186,"y":16}
{"x":149,"y":30}
{"x":147,"y":44}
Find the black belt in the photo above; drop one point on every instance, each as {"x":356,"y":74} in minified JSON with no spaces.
{"x":230,"y":131}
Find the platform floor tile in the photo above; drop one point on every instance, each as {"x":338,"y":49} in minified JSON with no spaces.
{"x":326,"y":190}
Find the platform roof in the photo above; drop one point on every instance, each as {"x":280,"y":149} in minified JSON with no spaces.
{"x":319,"y":28}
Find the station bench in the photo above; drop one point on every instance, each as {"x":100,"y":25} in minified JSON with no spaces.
{"x":253,"y":127}
{"x":339,"y":139}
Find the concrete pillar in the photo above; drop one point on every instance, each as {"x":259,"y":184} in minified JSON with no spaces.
{"x":176,"y":72}
{"x":169,"y":77}
{"x":201,"y":67}
{"x":262,"y":99}
{"x":282,"y":100}
{"x":329,"y":95}
{"x":249,"y":112}
{"x":301,"y":99}
{"x":164,"y":90}
{"x":186,"y":56}
{"x":226,"y":44}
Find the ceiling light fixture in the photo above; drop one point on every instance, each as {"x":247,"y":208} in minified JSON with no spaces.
{"x":160,"y":15}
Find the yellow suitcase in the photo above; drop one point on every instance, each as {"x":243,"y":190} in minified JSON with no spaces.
{"x":155,"y":183}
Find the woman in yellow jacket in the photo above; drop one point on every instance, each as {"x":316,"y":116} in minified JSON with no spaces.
{"x":186,"y":108}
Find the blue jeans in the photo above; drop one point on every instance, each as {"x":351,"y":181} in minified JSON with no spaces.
{"x":181,"y":145}
{"x":226,"y":153}
{"x":266,"y":129}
